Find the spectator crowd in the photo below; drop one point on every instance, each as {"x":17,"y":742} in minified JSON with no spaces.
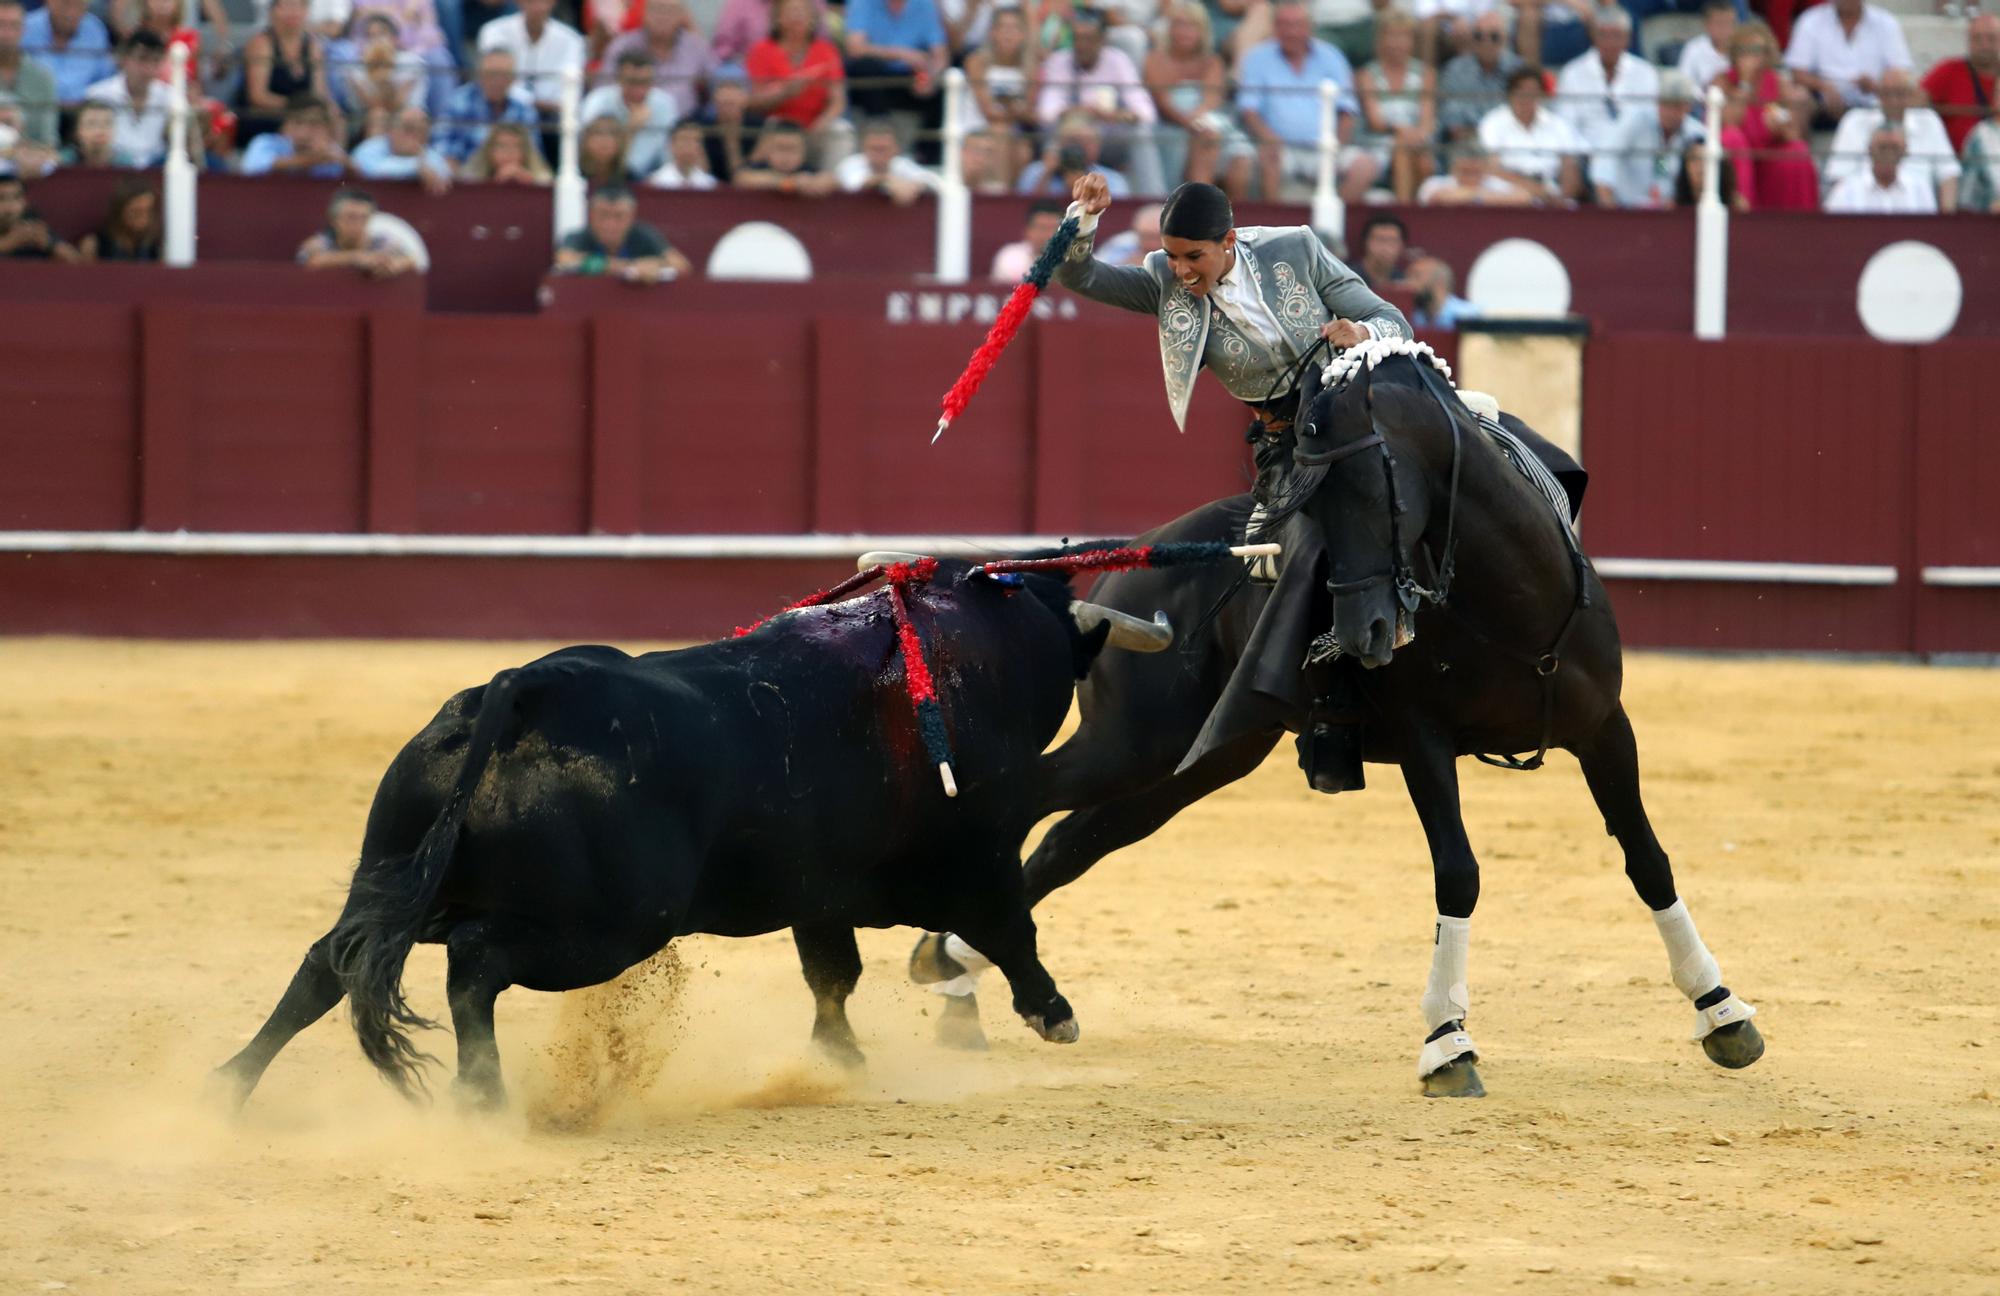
{"x":1445,"y":102}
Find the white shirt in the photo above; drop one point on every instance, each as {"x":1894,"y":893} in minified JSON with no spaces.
{"x":672,"y":177}
{"x":1928,"y":154}
{"x":139,"y":135}
{"x":853,"y":172}
{"x":1860,"y":195}
{"x":1593,"y":103}
{"x":1428,"y":191}
{"x":1466,"y":9}
{"x":1701,"y":62}
{"x":1536,"y":150}
{"x":1638,"y":163}
{"x":1820,"y":47}
{"x":538,"y":64}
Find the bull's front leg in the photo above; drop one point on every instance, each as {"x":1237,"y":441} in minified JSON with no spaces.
{"x":1010,"y":944}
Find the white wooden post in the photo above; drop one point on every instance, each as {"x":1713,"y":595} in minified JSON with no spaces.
{"x":1711,"y":233}
{"x":570,"y":190}
{"x":178,"y":172}
{"x":1329,"y":213}
{"x":954,"y":199}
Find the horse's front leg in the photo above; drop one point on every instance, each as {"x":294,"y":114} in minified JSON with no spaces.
{"x":1721,"y":1020}
{"x":1445,"y":1064}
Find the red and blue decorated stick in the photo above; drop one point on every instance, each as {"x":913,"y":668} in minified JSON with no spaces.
{"x":1012,"y":315}
{"x":1108,"y":557}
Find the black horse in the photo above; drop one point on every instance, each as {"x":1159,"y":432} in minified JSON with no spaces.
{"x":1408,"y":525}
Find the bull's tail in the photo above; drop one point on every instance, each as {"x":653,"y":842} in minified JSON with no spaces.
{"x":392,"y":899}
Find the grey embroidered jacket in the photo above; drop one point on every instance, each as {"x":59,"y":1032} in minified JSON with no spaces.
{"x":1298,"y":279}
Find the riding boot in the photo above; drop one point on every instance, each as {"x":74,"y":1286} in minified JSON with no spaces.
{"x":1330,"y":744}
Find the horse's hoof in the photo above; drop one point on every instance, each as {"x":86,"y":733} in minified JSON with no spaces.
{"x":1735,"y":1046}
{"x":1458,"y":1079}
{"x":844,"y":1051}
{"x":478,"y":1097}
{"x":226,"y":1090}
{"x":1065,"y":1031}
{"x":958,"y":1025}
{"x":929,"y":964}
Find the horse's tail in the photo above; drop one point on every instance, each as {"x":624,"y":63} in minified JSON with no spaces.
{"x":392,"y":899}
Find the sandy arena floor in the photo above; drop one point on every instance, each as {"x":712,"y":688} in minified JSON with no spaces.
{"x":1241,"y":1114}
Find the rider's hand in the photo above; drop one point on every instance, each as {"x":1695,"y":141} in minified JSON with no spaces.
{"x":1344,"y":333}
{"x":1093,"y":191}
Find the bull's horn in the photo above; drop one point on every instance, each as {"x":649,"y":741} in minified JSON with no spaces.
{"x":1127,"y":631}
{"x":883,"y":558}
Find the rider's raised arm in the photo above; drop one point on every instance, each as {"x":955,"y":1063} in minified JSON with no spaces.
{"x":1347,"y":297}
{"x":1132,"y":288}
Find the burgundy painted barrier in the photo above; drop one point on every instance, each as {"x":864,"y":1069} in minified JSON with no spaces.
{"x":1789,"y":273}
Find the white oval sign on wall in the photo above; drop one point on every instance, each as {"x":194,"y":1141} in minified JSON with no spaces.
{"x":1909,"y":292}
{"x":1519,"y":277}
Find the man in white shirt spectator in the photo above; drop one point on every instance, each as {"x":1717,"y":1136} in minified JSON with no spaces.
{"x":1097,"y":78}
{"x":1595,"y":90}
{"x":139,"y":99}
{"x":543,"y":49}
{"x":1839,"y":52}
{"x":1884,"y":189}
{"x":1927,"y":157}
{"x":1706,"y":56}
{"x":1013,"y":260}
{"x":880,"y":167}
{"x":1472,"y":182}
{"x":1532,"y":144}
{"x":647,"y":111}
{"x":1635,"y":165}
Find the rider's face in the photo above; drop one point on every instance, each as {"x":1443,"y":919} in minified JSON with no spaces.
{"x":1198,"y":263}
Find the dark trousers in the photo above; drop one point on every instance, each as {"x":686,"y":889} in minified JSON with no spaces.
{"x":896,"y":96}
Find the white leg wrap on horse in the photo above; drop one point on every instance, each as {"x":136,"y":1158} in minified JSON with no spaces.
{"x":1694,"y":968}
{"x":1446,"y":998}
{"x":1443,"y":1051}
{"x":1713,"y":1018}
{"x":974,"y":963}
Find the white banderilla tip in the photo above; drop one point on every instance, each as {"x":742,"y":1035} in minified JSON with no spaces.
{"x":943,"y":423}
{"x":1269,"y":550}
{"x":944,"y":776}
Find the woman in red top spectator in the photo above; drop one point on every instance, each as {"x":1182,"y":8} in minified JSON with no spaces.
{"x":1763,"y":125}
{"x":796,"y":74}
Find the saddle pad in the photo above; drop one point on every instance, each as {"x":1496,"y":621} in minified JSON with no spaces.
{"x":1532,"y":468}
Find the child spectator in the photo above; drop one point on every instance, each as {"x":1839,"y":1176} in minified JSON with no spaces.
{"x":1398,"y":107}
{"x":1961,"y":89}
{"x":780,"y":163}
{"x":305,"y":145}
{"x":138,"y":99}
{"x":880,"y":166}
{"x":796,"y":75}
{"x":647,"y":111}
{"x":1531,"y":144}
{"x":679,"y":53}
{"x":1012,"y":261}
{"x":73,"y":43}
{"x":131,"y":228}
{"x":686,"y":166}
{"x":347,"y":244}
{"x":93,"y":143}
{"x":509,"y":156}
{"x":1839,"y":52}
{"x":616,"y":243}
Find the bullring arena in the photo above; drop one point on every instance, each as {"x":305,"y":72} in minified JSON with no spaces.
{"x":258,"y":521}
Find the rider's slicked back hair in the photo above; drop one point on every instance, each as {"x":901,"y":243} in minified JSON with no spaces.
{"x":1197,"y":211}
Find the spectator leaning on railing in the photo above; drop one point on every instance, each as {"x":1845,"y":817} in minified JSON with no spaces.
{"x":616,"y":243}
{"x":404,"y":153}
{"x":472,"y":109}
{"x":781,"y":162}
{"x":1962,"y":89}
{"x":24,"y":235}
{"x":1594,"y":90}
{"x":131,"y":227}
{"x":1012,"y":261}
{"x":1278,"y":99}
{"x":508,"y":156}
{"x":881,"y":168}
{"x":347,"y":244}
{"x":1636,"y":164}
{"x":26,"y":78}
{"x":138,"y":98}
{"x":1839,"y":52}
{"x":1928,"y":155}
{"x":1475,"y":82}
{"x":1472,"y":182}
{"x":1884,"y":188}
{"x":73,"y":43}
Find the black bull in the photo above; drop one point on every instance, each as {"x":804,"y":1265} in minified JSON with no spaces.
{"x":567,"y":820}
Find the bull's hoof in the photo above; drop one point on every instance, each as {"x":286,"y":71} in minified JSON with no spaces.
{"x":958,"y":1024}
{"x":1065,"y":1031}
{"x":929,"y":964}
{"x":1457,"y":1079}
{"x":1735,"y":1046}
